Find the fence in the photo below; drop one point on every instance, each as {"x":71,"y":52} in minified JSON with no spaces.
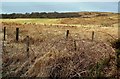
{"x":27,"y":37}
{"x":26,"y":42}
{"x":92,"y":36}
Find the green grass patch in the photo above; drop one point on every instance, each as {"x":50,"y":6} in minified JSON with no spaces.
{"x":39,"y":21}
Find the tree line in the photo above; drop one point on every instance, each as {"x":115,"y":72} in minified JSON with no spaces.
{"x":40,"y":15}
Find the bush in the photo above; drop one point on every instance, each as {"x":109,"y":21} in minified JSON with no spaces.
{"x":116,"y":44}
{"x":118,"y":58}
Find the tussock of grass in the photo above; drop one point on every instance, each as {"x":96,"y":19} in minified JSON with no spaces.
{"x":68,"y":64}
{"x":62,"y":60}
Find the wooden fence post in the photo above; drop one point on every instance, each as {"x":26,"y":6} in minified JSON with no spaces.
{"x":75,"y":46}
{"x":93,"y":35}
{"x":3,"y":39}
{"x":67,"y":33}
{"x":17,"y":34}
{"x":27,"y":45}
{"x":4,"y":33}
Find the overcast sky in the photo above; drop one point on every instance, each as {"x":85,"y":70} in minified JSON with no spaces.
{"x":23,"y":7}
{"x":59,"y":0}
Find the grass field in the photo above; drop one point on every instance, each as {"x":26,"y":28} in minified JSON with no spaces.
{"x":52,"y":54}
{"x":38,"y":21}
{"x":87,"y":19}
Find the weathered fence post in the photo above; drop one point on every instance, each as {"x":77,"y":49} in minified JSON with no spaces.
{"x":67,"y":33}
{"x":4,"y":33}
{"x":4,"y":39}
{"x":27,"y":45}
{"x":75,"y":46}
{"x":93,"y":35}
{"x":17,"y":34}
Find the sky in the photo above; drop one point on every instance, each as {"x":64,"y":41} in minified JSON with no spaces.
{"x":28,"y":7}
{"x":59,"y":0}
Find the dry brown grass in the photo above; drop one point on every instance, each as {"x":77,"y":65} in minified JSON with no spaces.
{"x":68,"y":62}
{"x":52,"y":55}
{"x":102,"y":19}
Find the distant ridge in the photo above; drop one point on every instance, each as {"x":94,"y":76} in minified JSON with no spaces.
{"x":56,"y":15}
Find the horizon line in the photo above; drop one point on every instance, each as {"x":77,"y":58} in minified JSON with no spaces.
{"x":58,"y":12}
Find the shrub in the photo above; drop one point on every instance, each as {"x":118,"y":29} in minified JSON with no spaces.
{"x":118,"y":58}
{"x":116,"y":44}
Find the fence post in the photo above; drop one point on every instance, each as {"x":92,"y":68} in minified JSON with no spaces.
{"x":17,"y":34}
{"x":75,"y":46}
{"x":3,"y":39}
{"x":67,"y":33}
{"x":4,"y":33}
{"x":93,"y":35}
{"x":27,"y":45}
